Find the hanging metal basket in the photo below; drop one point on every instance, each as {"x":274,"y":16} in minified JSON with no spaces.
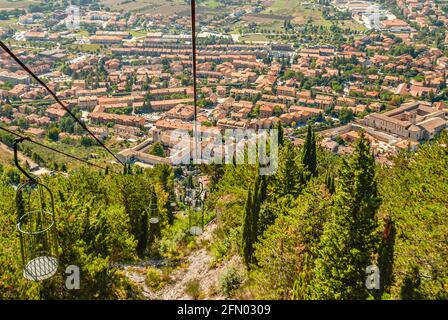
{"x":196,"y":217}
{"x":36,"y":225}
{"x":154,"y":220}
{"x":37,"y":232}
{"x":194,"y":199}
{"x":153,"y":211}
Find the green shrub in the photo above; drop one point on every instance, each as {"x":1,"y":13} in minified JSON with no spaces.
{"x":154,"y":279}
{"x":229,"y":281}
{"x":193,"y":289}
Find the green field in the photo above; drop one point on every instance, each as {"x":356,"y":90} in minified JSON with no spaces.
{"x":301,"y":13}
{"x":254,"y":38}
{"x":213,"y":4}
{"x":12,"y":22}
{"x":138,"y":33}
{"x":16,"y":3}
{"x":87,"y":47}
{"x":166,"y":7}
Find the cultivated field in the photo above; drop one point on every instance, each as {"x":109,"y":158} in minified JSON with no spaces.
{"x":298,"y":11}
{"x":5,"y":4}
{"x":165,"y":7}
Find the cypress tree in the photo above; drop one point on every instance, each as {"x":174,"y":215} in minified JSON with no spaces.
{"x":255,"y":198}
{"x":309,"y":155}
{"x":313,"y":160}
{"x":386,"y":257}
{"x":280,"y":134}
{"x":259,"y":196}
{"x":349,"y":241}
{"x":329,"y":182}
{"x":142,"y":239}
{"x":165,"y":176}
{"x":153,"y":211}
{"x":247,"y":248}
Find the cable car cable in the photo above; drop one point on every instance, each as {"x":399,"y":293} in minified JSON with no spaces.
{"x":24,"y":67}
{"x":193,"y":43}
{"x":50,"y":148}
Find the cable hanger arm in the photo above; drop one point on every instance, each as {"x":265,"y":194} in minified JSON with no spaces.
{"x":16,"y":158}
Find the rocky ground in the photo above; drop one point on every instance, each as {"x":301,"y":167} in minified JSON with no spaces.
{"x":197,"y":267}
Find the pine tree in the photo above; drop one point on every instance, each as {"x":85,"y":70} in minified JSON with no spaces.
{"x":309,"y":156}
{"x":289,"y":176}
{"x":217,"y":171}
{"x":349,"y":242}
{"x":134,"y":195}
{"x":301,"y":289}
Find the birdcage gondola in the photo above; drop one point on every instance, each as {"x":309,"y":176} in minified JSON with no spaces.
{"x":196,"y":218}
{"x":194,"y":198}
{"x":153,"y":210}
{"x":36,"y":226}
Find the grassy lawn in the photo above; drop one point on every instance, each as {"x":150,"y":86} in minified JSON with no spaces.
{"x":83,"y":33}
{"x":213,"y":4}
{"x":302,"y":13}
{"x":10,"y":23}
{"x":87,"y":47}
{"x":166,"y":7}
{"x":138,"y":33}
{"x":254,"y":37}
{"x":352,"y":25}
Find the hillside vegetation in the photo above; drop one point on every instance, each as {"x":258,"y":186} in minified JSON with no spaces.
{"x":307,"y":232}
{"x":316,"y":233}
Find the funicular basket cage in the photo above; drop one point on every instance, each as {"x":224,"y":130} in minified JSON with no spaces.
{"x":153,"y":209}
{"x":36,"y":227}
{"x":196,"y":218}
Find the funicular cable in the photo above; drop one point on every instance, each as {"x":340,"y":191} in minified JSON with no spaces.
{"x":43,"y":84}
{"x":25,"y":138}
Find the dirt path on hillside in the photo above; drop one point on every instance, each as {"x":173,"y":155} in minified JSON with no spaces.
{"x":198,"y":267}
